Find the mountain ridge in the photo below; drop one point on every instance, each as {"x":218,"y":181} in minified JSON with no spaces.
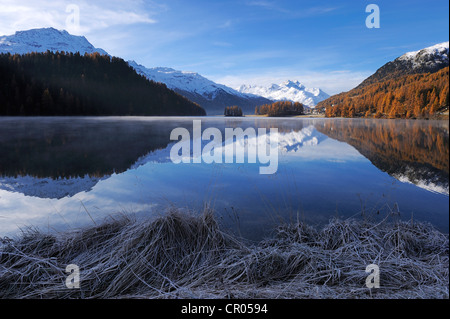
{"x":430,"y":59}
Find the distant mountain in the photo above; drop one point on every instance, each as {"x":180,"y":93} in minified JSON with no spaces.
{"x":430,"y":59}
{"x":213,"y":97}
{"x":41,"y":40}
{"x":287,"y":91}
{"x":414,"y":85}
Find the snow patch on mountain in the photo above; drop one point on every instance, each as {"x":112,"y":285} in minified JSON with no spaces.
{"x":287,"y":91}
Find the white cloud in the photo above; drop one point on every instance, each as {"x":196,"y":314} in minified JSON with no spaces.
{"x":22,"y":15}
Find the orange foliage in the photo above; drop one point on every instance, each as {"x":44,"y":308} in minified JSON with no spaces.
{"x":281,"y":108}
{"x":391,"y":144}
{"x":409,"y":96}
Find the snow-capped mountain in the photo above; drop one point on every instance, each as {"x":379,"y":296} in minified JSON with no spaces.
{"x":211,"y":96}
{"x":41,"y":40}
{"x":430,"y":59}
{"x":287,"y":91}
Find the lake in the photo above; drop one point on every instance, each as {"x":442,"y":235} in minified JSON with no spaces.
{"x":63,"y":173}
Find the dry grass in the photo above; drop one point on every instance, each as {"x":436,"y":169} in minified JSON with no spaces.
{"x":180,"y":255}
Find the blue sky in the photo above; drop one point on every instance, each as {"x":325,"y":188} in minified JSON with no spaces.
{"x":320,"y":43}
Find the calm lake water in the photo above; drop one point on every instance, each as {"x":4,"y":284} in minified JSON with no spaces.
{"x":64,"y":173}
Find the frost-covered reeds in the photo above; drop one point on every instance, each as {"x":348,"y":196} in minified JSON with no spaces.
{"x":181,"y":255}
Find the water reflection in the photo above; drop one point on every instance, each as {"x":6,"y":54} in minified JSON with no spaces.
{"x":61,"y":173}
{"x":411,"y":151}
{"x":67,"y":148}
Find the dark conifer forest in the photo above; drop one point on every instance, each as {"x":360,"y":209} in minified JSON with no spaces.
{"x":66,"y":84}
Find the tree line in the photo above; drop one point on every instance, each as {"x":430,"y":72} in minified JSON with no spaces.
{"x":280,"y":108}
{"x":410,"y":96}
{"x":60,"y":83}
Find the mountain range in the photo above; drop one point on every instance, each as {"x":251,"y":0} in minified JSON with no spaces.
{"x":213,"y":97}
{"x":287,"y":91}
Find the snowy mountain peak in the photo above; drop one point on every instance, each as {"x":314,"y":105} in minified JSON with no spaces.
{"x":293,"y":84}
{"x":41,"y":40}
{"x":436,"y":54}
{"x":287,"y":91}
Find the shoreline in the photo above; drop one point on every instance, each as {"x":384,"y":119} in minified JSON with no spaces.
{"x":181,"y":255}
{"x":442,"y":117}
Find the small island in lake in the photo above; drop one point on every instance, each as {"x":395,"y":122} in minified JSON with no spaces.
{"x":233,"y":111}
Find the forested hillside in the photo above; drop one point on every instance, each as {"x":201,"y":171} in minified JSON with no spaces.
{"x":45,"y":84}
{"x":408,"y":96}
{"x":414,"y":85}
